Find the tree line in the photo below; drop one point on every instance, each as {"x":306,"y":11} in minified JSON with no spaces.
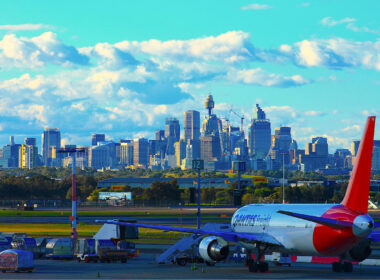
{"x":55,"y":184}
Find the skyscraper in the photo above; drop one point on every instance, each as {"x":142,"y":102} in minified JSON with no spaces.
{"x":259,"y":135}
{"x":316,"y":154}
{"x":172,"y":134}
{"x":126,"y":153}
{"x":172,"y":128}
{"x":10,"y":156}
{"x":210,"y":148}
{"x":95,"y":138}
{"x":141,"y":152}
{"x":180,"y":151}
{"x":191,"y":125}
{"x":30,"y":141}
{"x":28,"y":156}
{"x":355,"y":147}
{"x":376,"y":156}
{"x":211,"y":140}
{"x":51,"y":138}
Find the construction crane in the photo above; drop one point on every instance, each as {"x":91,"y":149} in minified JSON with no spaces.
{"x":241,"y":120}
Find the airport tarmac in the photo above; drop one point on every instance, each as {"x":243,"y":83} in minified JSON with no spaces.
{"x":144,"y":267}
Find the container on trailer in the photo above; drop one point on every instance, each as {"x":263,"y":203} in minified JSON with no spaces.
{"x":16,"y":260}
{"x":24,"y":243}
{"x":60,"y":248}
{"x":41,"y":246}
{"x":5,"y":243}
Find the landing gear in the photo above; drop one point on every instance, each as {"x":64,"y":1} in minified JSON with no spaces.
{"x":347,"y":267}
{"x":336,"y":267}
{"x":339,"y":267}
{"x":255,"y":265}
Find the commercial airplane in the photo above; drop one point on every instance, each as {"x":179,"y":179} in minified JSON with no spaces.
{"x":343,"y":230}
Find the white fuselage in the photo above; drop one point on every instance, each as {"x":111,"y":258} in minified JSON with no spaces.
{"x":295,"y":234}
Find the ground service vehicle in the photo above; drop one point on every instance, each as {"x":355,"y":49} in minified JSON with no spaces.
{"x":342,"y":230}
{"x":105,"y":251}
{"x":16,"y":260}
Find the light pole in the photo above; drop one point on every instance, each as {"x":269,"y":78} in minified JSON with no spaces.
{"x":73,"y":217}
{"x":199,"y":165}
{"x":283,"y":178}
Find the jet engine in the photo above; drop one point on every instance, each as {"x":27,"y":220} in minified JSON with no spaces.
{"x":361,"y":251}
{"x":213,"y":249}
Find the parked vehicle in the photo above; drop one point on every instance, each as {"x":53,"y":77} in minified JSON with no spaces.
{"x":60,"y":248}
{"x":41,"y":243}
{"x":5,"y":243}
{"x":84,"y":250}
{"x":16,"y":260}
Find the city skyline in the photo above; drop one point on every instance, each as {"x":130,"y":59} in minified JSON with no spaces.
{"x":311,"y":67}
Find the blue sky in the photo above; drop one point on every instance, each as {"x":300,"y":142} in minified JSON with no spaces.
{"x":121,"y":67}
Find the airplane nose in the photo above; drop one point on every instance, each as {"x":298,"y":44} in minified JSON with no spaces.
{"x":362,"y":225}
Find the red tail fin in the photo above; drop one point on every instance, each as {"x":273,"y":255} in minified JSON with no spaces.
{"x":356,"y":197}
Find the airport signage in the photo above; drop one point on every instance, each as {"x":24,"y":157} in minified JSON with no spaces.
{"x":198,"y":164}
{"x":115,"y":195}
{"x":238,"y":166}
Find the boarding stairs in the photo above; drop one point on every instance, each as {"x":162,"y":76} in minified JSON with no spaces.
{"x":189,"y":243}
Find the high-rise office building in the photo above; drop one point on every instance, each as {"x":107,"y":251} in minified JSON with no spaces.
{"x":30,"y":141}
{"x":172,"y":128}
{"x":355,"y":147}
{"x":10,"y":157}
{"x":141,"y":152}
{"x":340,"y":156}
{"x":160,"y":134}
{"x":126,"y":153}
{"x":210,"y":148}
{"x":376,"y":156}
{"x":172,"y":134}
{"x":259,"y":135}
{"x":96,"y":138}
{"x":191,"y":127}
{"x":180,"y":151}
{"x":28,"y":156}
{"x":51,"y":138}
{"x":104,"y":155}
{"x":280,"y":147}
{"x":316,"y":154}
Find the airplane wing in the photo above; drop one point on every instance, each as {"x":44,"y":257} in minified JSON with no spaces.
{"x":227,"y":235}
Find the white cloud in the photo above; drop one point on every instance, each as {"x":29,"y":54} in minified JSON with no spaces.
{"x":371,"y":112}
{"x":25,"y":27}
{"x":37,"y":52}
{"x":314,"y":113}
{"x":329,"y":21}
{"x":349,"y":23}
{"x":229,"y":47}
{"x":282,"y":115}
{"x":365,"y":29}
{"x":354,"y":128}
{"x":337,"y":53}
{"x":257,"y":7}
{"x":260,"y":77}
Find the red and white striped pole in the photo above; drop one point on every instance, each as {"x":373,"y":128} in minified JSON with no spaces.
{"x":74,"y":233}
